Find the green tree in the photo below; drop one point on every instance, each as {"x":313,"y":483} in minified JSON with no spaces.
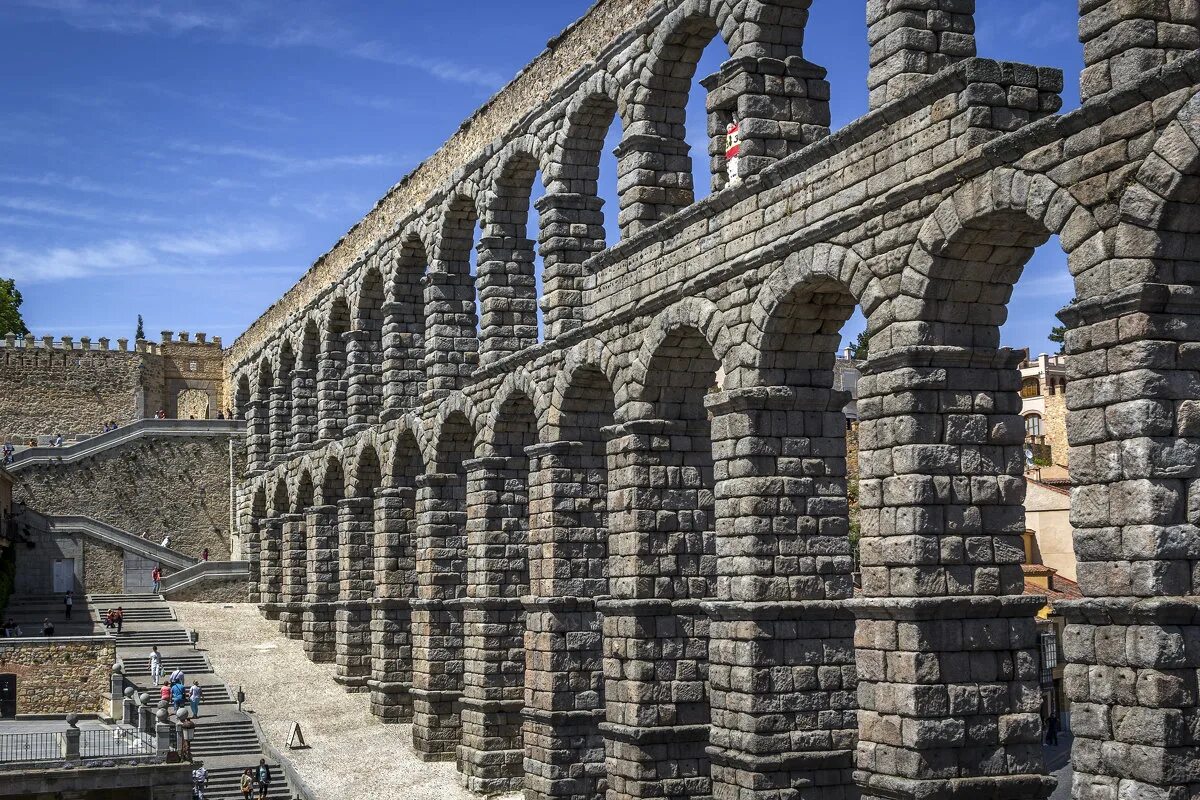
{"x":141,"y":332}
{"x":1058,"y":335}
{"x":860,"y":347}
{"x":10,"y":308}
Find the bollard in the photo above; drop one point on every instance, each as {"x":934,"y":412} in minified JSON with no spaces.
{"x":116,"y":706}
{"x":69,"y":742}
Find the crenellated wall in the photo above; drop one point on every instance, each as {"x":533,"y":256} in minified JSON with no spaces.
{"x":75,"y":388}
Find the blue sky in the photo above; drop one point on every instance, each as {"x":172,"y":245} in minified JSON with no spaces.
{"x":189,"y":161}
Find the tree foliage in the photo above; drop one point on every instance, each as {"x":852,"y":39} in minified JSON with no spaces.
{"x":141,"y":331}
{"x":1058,"y":335}
{"x":859,"y":347}
{"x":10,"y":309}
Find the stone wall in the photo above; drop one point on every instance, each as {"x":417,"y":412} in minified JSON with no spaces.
{"x":68,"y":387}
{"x":52,"y":391}
{"x":231,"y":590}
{"x":103,"y":567}
{"x":176,"y":485}
{"x":59,"y":676}
{"x":1054,"y":428}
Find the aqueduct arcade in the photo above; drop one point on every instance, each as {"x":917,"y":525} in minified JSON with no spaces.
{"x":605,"y":550}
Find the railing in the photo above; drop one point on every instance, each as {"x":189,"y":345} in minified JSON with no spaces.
{"x":204,"y":571}
{"x":113,"y":743}
{"x":16,"y":747}
{"x":144,"y":427}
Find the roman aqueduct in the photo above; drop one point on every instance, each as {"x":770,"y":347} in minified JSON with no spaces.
{"x":609,"y":553}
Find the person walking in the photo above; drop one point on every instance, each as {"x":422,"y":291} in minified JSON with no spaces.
{"x":247,"y":784}
{"x":263,"y":778}
{"x":58,"y":440}
{"x":194,"y":695}
{"x":68,"y":601}
{"x":204,"y":554}
{"x":176,"y":676}
{"x":165,"y":692}
{"x":120,"y":619}
{"x":177,"y":695}
{"x":47,"y":627}
{"x":155,"y":665}
{"x":156,"y":576}
{"x":166,"y":542}
{"x":1052,"y":728}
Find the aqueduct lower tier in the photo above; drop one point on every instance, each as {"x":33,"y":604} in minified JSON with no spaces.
{"x":617,"y":561}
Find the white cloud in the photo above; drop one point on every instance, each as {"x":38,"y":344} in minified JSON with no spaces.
{"x":283,"y":163}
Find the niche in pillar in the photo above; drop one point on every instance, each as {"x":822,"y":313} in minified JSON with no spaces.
{"x":304,"y":390}
{"x":258,"y":422}
{"x":404,"y":329}
{"x":280,"y":408}
{"x":491,"y":754}
{"x":441,"y":581}
{"x":356,"y":537}
{"x":364,"y":355}
{"x":395,"y":586}
{"x":331,"y":374}
{"x":568,"y":535}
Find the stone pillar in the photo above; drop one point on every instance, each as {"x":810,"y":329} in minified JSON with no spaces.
{"x":364,"y":370}
{"x":1124,"y":39}
{"x":356,"y":534}
{"x":270,"y":535}
{"x":946,"y":644}
{"x":304,"y":410}
{"x":1133,"y":646}
{"x":391,"y":610}
{"x":69,"y":744}
{"x":331,"y":390}
{"x":451,"y":343}
{"x":491,"y":752}
{"x":780,"y":106}
{"x":295,"y":575}
{"x":507,"y":296}
{"x":572,"y":232}
{"x":281,"y":423}
{"x":654,"y":173}
{"x":323,"y":582}
{"x":258,"y":436}
{"x":251,"y":551}
{"x":436,"y":621}
{"x":781,"y":649}
{"x":117,"y":697}
{"x":403,"y":361}
{"x":655,"y":632}
{"x":564,"y":679}
{"x":913,"y":39}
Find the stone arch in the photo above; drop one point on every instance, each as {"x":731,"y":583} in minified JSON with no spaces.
{"x":516,"y":384}
{"x":331,"y":371}
{"x":970,"y":253}
{"x":305,"y":494}
{"x":304,"y":384}
{"x":192,"y":404}
{"x":368,"y":474}
{"x":364,"y":351}
{"x":454,"y":432}
{"x":590,"y":356}
{"x":241,"y":397}
{"x":457,"y":218}
{"x":406,"y":458}
{"x":666,"y":336}
{"x":404,"y":323}
{"x":279,"y":498}
{"x":506,"y":275}
{"x":452,"y":313}
{"x":812,"y":293}
{"x":573,"y":164}
{"x":333,"y":481}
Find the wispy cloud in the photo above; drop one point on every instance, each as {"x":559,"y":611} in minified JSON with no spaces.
{"x":34,"y":205}
{"x":255,"y":24}
{"x":281,"y":163}
{"x":183,"y":252}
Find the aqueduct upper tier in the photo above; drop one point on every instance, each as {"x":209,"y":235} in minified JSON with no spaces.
{"x":608,"y":553}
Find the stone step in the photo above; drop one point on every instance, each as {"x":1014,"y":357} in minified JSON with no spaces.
{"x":139,"y":665}
{"x":163,"y":638}
{"x":224,"y":783}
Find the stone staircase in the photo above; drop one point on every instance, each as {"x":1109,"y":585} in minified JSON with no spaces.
{"x":226,"y":740}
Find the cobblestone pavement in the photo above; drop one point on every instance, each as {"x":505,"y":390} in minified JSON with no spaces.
{"x":352,"y":754}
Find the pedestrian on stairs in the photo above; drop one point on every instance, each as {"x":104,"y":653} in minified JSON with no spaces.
{"x":186,"y":730}
{"x":68,"y":601}
{"x":47,"y":627}
{"x":165,"y":694}
{"x":166,"y":542}
{"x":155,"y":666}
{"x":120,"y":618}
{"x":204,"y":555}
{"x":156,"y":576}
{"x":194,"y":695}
{"x":177,"y":695}
{"x":176,"y":677}
{"x":264,"y":779}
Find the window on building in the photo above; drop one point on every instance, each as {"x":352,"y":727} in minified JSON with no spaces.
{"x":1033,"y":425}
{"x":1030,"y":387}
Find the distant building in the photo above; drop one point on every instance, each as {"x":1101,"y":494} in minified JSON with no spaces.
{"x":846,"y":373}
{"x":1044,"y":408}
